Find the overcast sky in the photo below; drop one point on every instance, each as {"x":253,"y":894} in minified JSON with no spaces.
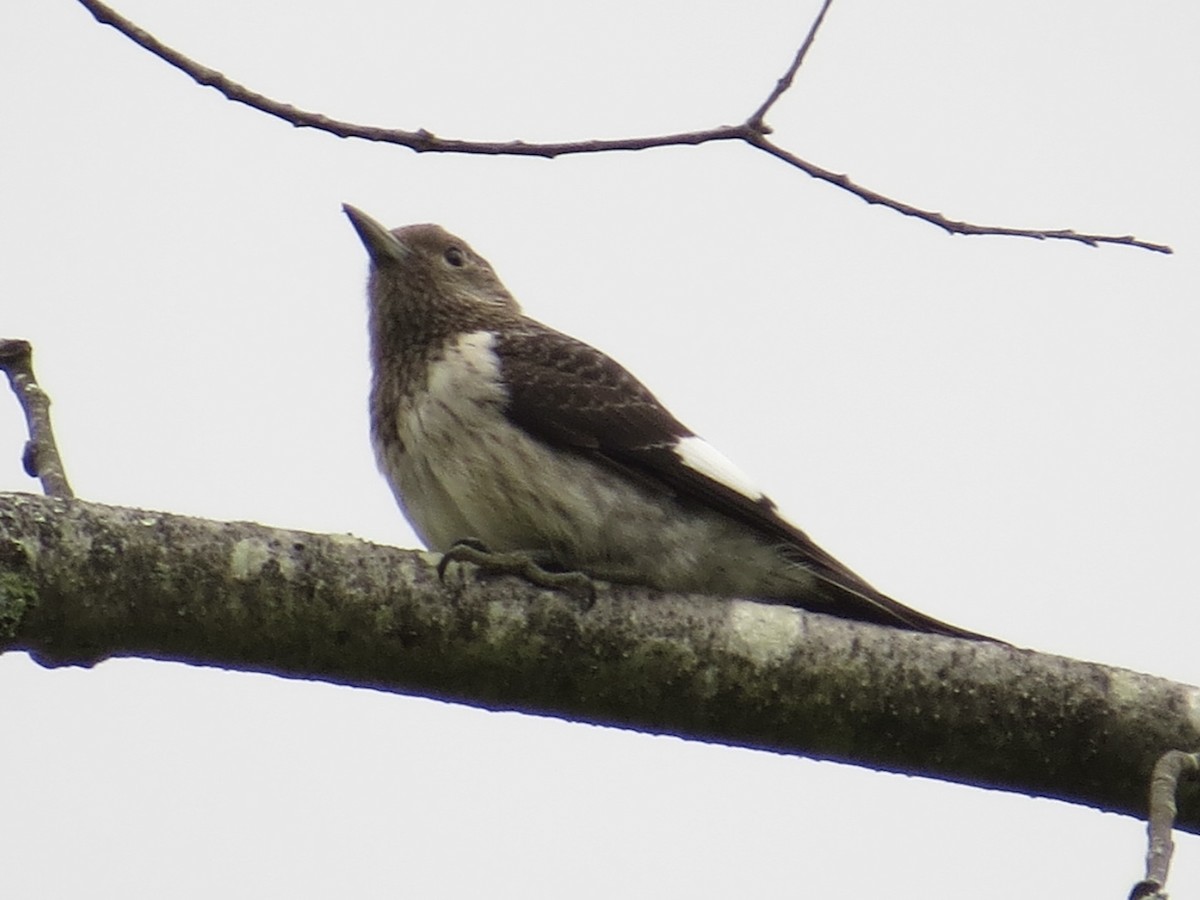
{"x":1001,"y":432}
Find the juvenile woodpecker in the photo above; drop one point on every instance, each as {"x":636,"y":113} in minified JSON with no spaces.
{"x":512,"y":445}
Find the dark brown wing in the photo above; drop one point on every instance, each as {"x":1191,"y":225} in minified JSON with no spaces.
{"x":571,"y":395}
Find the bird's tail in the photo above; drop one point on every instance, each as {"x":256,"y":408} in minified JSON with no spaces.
{"x":834,"y":589}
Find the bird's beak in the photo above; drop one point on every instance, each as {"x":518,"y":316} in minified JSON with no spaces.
{"x":381,"y":244}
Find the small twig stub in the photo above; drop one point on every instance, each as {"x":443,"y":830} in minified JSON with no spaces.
{"x":40,"y":457}
{"x":1164,"y":783}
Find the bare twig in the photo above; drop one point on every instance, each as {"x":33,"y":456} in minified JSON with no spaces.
{"x":936,"y":218}
{"x":40,"y":457}
{"x":756,"y":120}
{"x":421,"y":141}
{"x":752,"y":132}
{"x":1164,"y":782}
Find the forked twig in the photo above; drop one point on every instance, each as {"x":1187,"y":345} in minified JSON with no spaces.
{"x":753,"y":131}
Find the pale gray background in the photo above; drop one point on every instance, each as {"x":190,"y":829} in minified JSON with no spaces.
{"x":1001,"y":432}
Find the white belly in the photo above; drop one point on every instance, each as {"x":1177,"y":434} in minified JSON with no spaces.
{"x":466,"y":471}
{"x":462,"y":470}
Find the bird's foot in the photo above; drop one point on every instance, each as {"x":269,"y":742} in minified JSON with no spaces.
{"x":527,"y":565}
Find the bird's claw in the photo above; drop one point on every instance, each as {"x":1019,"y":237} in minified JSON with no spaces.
{"x":470,"y":550}
{"x":520,"y":563}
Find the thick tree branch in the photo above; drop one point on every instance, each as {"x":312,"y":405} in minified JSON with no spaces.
{"x":81,"y":582}
{"x":752,"y":131}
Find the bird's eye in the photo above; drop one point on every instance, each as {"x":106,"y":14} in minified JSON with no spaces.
{"x":454,"y":256}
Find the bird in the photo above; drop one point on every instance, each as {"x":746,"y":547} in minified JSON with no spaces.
{"x":514,"y":446}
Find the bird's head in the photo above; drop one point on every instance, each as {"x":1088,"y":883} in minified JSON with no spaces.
{"x":426,"y":282}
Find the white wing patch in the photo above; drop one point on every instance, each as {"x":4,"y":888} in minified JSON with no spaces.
{"x":701,"y":456}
